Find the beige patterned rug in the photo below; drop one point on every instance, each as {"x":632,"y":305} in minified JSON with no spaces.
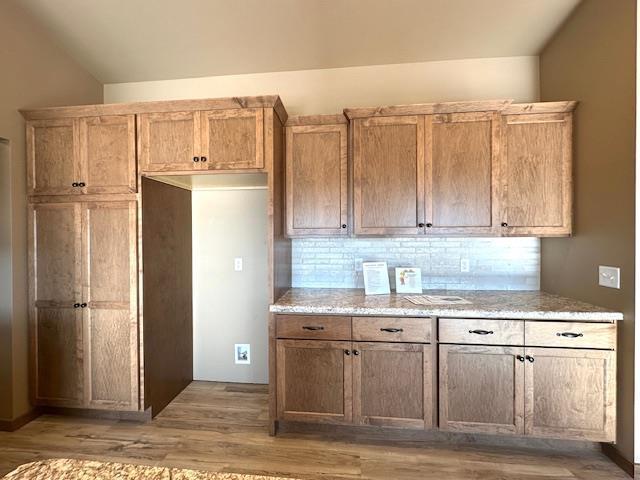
{"x":65,"y":469}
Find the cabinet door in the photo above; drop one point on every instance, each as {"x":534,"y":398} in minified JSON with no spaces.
{"x":393,"y":384}
{"x":316,"y":180}
{"x":52,"y":157}
{"x":169,"y":141}
{"x":108,"y":154}
{"x":570,"y":393}
{"x":54,"y":298}
{"x":388,"y":182}
{"x":536,"y":172}
{"x":461,"y":168}
{"x":110,"y":292}
{"x":314,"y":381}
{"x":481,"y":389}
{"x":233,"y":139}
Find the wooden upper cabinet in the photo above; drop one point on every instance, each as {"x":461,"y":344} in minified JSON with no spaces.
{"x":388,"y":177}
{"x":169,"y":141}
{"x":109,"y":251}
{"x":316,"y":176}
{"x":233,"y":139}
{"x":570,"y":393}
{"x":52,"y":156}
{"x":461,"y":168}
{"x":81,"y":155}
{"x":56,"y":324}
{"x":314,"y":381}
{"x":481,"y":389}
{"x":393,"y":385}
{"x":536,"y":170}
{"x":108,"y":154}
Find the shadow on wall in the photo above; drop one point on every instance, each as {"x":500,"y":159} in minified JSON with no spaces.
{"x":6,"y":290}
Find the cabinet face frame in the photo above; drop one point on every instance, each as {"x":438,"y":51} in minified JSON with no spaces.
{"x":608,"y":432}
{"x":145,"y":124}
{"x":130,"y":306}
{"x":131,"y":162}
{"x":33,"y":166}
{"x":36,"y":305}
{"x":493,"y":228}
{"x":231,"y":114}
{"x":517,"y":428}
{"x":291,"y":132}
{"x":315,"y":417}
{"x":566,"y":182}
{"x":358,"y":172}
{"x":428,"y":367}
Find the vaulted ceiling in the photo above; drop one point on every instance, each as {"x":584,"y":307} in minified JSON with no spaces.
{"x":137,"y":40}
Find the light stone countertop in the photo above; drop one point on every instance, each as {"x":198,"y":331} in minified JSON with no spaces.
{"x":499,"y":304}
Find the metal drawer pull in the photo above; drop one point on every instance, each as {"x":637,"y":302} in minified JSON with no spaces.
{"x":482,"y":332}
{"x":569,"y":334}
{"x":391,"y":330}
{"x":313,"y":328}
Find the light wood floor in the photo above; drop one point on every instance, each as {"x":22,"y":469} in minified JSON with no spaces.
{"x":222,"y":427}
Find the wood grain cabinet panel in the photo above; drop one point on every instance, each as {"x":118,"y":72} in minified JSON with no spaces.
{"x":571,"y":334}
{"x":388,"y":182}
{"x":481,"y":331}
{"x":319,"y":327}
{"x":481,"y":389}
{"x":169,"y":141}
{"x":233,"y":139}
{"x":316,"y":171}
{"x":110,"y":291}
{"x":570,"y":393}
{"x":314,"y":381}
{"x":536,"y":174}
{"x":393,"y":384}
{"x":56,"y":326}
{"x":52,"y":156}
{"x":108,"y":154}
{"x":461,"y":169}
{"x":393,"y":329}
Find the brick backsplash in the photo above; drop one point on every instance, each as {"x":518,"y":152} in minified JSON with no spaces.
{"x":495,"y":263}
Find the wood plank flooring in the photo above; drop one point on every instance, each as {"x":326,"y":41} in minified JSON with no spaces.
{"x":223,"y":427}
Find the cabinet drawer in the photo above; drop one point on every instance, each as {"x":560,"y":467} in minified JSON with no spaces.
{"x":392,"y":329}
{"x":481,"y":332}
{"x":323,"y":327}
{"x":571,"y":334}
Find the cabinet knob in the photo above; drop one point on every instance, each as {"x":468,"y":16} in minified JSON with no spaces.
{"x":76,"y":305}
{"x":520,"y":358}
{"x":83,"y":305}
{"x":74,"y":184}
{"x":344,"y":225}
{"x":203,"y":159}
{"x":356,"y":353}
{"x":429,"y":225}
{"x":421,"y":225}
{"x":530,"y":358}
{"x":196,"y":159}
{"x":82,"y":184}
{"x":347,"y":352}
{"x":504,"y":224}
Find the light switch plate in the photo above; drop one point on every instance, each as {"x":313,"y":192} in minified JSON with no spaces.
{"x":237,"y":264}
{"x":464,"y":265}
{"x":609,"y":276}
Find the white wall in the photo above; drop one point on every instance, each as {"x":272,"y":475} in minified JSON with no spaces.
{"x":329,"y":91}
{"x":229,"y":307}
{"x":6,"y":287}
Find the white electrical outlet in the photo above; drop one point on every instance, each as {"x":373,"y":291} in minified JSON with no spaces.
{"x":609,"y":277}
{"x":464,"y":265}
{"x":237,"y":264}
{"x":242,"y":354}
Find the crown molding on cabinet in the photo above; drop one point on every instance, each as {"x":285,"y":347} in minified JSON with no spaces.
{"x":428,"y":108}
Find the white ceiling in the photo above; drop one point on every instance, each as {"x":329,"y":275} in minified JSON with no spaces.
{"x":137,"y":40}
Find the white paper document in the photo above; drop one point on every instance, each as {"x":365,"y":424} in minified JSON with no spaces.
{"x":376,"y":278}
{"x":437,"y":300}
{"x":408,"y":280}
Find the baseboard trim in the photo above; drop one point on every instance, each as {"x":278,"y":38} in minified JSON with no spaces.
{"x":124,"y":415}
{"x":616,"y":457}
{"x":21,"y":421}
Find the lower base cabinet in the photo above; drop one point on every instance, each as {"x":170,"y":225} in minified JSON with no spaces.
{"x":383,"y":384}
{"x":541,"y":392}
